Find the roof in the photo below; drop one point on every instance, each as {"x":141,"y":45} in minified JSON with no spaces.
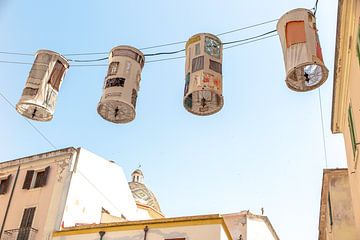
{"x":255,"y":216}
{"x":153,"y":223}
{"x":31,"y":158}
{"x":143,"y":195}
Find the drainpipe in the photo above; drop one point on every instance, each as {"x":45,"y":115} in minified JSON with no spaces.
{"x":146,"y":229}
{"x":101,"y":233}
{"x":9,"y":202}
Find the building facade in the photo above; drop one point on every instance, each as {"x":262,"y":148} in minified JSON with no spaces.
{"x":69,"y":187}
{"x":346,"y":95}
{"x":336,"y":220}
{"x":182,"y":228}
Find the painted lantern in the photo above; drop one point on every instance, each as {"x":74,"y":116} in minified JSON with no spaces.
{"x":121,"y":85}
{"x":42,"y":86}
{"x":203,"y":75}
{"x":305,"y":69}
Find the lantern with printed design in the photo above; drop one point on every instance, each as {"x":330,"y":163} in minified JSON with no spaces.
{"x":121,"y":85}
{"x":305,"y":69}
{"x":203,"y":79}
{"x":39,"y":96}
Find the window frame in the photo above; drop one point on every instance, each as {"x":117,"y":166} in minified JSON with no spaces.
{"x":4,"y":184}
{"x":32,"y":181}
{"x":352,"y":130}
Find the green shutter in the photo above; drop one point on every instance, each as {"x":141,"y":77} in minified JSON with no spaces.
{"x":358,"y":44}
{"x":352,"y":130}
{"x":330,"y":210}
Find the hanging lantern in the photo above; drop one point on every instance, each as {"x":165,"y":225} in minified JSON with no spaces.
{"x":121,"y":85}
{"x":39,"y":96}
{"x":203,"y":75}
{"x":305,"y":69}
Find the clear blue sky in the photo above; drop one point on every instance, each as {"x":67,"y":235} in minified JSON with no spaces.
{"x":263,"y":149}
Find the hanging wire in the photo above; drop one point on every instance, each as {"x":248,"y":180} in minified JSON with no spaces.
{"x":315,"y":7}
{"x":88,"y":60}
{"x":145,"y":48}
{"x":30,"y":123}
{"x":250,"y":38}
{"x":151,"y":61}
{"x":55,"y":148}
{"x":163,"y":53}
{"x":322,"y":128}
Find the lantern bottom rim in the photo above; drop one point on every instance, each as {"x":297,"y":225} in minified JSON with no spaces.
{"x":116,"y":111}
{"x":211,"y":107}
{"x":34,"y":111}
{"x":306,"y":77}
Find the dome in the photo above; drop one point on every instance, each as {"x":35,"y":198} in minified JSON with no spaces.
{"x":142,"y":195}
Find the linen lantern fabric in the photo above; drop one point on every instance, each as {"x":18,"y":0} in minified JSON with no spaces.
{"x":203,"y":75}
{"x":42,"y":86}
{"x":121,"y":85}
{"x":305,"y":69}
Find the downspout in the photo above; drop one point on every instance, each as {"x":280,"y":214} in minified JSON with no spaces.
{"x":146,"y":229}
{"x":9,"y":202}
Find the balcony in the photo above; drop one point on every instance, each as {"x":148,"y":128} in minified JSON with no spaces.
{"x":27,"y":233}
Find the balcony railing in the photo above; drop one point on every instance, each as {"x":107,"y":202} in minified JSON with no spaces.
{"x":27,"y":233}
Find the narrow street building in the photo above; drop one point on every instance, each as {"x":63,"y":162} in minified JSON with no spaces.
{"x":346,"y":95}
{"x":336,"y":220}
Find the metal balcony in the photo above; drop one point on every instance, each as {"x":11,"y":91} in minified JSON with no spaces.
{"x":28,"y":233}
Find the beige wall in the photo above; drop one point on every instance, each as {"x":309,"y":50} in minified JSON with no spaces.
{"x":347,"y":92}
{"x":167,"y":229}
{"x":336,"y":212}
{"x":46,"y":199}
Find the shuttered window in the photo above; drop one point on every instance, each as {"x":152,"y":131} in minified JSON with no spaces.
{"x":197,"y":64}
{"x":41,"y":178}
{"x":352,"y":129}
{"x":134,"y":97}
{"x":56,"y":75}
{"x":295,"y":33}
{"x":113,"y":68}
{"x":26,"y":223}
{"x":36,"y":179}
{"x":28,"y":179}
{"x":215,"y":66}
{"x":115,"y":82}
{"x":4,"y":184}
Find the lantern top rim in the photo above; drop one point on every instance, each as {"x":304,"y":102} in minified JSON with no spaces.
{"x":294,"y":11}
{"x":128,"y":48}
{"x":61,"y":57}
{"x":188,"y":42}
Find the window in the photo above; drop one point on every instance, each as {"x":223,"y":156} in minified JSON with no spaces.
{"x":215,"y":66}
{"x":28,"y":91}
{"x":56,"y":75}
{"x":212,"y":47}
{"x":26,"y":223}
{"x":358,"y":43}
{"x":133,"y":100}
{"x":115,"y":82}
{"x":197,"y":49}
{"x":197,"y":64}
{"x":330,"y":210}
{"x":352,"y":130}
{"x":113,"y":67}
{"x":4,"y":184}
{"x":295,"y":33}
{"x":36,"y":179}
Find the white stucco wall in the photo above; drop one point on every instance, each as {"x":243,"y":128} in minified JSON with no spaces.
{"x":97,"y":183}
{"x":199,"y":232}
{"x":257,"y":229}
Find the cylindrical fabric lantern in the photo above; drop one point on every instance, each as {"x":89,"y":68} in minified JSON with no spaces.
{"x":121,"y":85}
{"x":39,"y":96}
{"x":203,"y":75}
{"x":305,"y":69}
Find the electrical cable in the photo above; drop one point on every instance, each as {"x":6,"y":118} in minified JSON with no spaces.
{"x":315,"y":7}
{"x":250,"y":38}
{"x":55,"y":148}
{"x":30,"y":123}
{"x":322,"y":128}
{"x":151,"y":61}
{"x":163,"y":53}
{"x":145,"y":48}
